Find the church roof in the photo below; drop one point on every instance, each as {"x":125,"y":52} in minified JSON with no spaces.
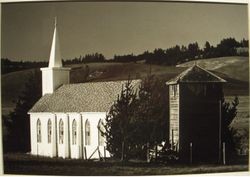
{"x":195,"y":74}
{"x":82,"y":97}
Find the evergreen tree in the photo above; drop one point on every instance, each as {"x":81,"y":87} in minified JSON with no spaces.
{"x":227,"y":47}
{"x":118,"y":130}
{"x":136,"y":123}
{"x":151,"y":116}
{"x":207,"y":50}
{"x":19,"y":124}
{"x":229,"y":112}
{"x":193,"y":50}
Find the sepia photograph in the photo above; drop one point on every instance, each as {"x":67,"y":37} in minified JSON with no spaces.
{"x":124,"y":88}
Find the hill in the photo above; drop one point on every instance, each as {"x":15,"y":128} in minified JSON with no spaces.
{"x":233,"y":69}
{"x":12,"y":86}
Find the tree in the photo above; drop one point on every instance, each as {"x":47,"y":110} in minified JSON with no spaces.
{"x":193,"y":50}
{"x":229,"y":112}
{"x":118,"y":130}
{"x":227,"y":47}
{"x":151,"y":116}
{"x":137,"y":122}
{"x":244,"y":43}
{"x":18,"y":125}
{"x":207,"y":50}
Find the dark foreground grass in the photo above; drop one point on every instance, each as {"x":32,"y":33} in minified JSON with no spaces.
{"x":27,"y":164}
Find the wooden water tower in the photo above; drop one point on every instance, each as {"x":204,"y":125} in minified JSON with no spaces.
{"x":194,"y":107}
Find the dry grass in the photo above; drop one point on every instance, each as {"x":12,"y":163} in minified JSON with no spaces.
{"x":236,"y":73}
{"x":235,"y":67}
{"x":27,"y":164}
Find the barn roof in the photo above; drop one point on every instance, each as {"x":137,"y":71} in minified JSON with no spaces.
{"x":82,"y":97}
{"x":195,"y":74}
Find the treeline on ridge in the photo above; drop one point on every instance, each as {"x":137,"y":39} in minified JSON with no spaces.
{"x":179,"y":54}
{"x":8,"y":65}
{"x":171,"y":56}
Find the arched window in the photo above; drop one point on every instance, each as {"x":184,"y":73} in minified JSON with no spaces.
{"x":87,"y":133}
{"x":100,"y":135}
{"x":49,"y":131}
{"x":74,"y":132}
{"x":39,"y":133}
{"x":61,"y":131}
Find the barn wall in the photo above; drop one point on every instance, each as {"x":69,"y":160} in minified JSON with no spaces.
{"x":174,"y":96}
{"x":199,"y":121}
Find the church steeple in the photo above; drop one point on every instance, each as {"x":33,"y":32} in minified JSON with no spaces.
{"x":55,"y":59}
{"x":55,"y":74}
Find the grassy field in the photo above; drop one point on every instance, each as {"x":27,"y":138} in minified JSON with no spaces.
{"x":234,"y":69}
{"x":12,"y":86}
{"x":27,"y":164}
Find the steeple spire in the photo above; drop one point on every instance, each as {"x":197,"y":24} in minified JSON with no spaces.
{"x":55,"y":59}
{"x":55,"y":75}
{"x":55,"y":21}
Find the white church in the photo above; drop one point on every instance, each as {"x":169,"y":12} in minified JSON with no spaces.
{"x":68,"y":119}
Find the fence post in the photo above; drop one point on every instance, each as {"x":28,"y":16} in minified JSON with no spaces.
{"x":85,"y":152}
{"x":172,"y":138}
{"x":224,"y":153}
{"x":148,"y":153}
{"x":122,"y":156}
{"x":156,"y":152}
{"x":191,"y":153}
{"x":99,"y":153}
{"x":104,"y":153}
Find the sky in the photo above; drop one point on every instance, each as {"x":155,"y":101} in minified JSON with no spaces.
{"x":115,"y":27}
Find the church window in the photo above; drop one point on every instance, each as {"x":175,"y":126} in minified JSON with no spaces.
{"x":61,"y":132}
{"x":49,"y":131}
{"x":100,"y":135}
{"x":87,"y":133}
{"x":74,"y":132}
{"x":39,"y":133}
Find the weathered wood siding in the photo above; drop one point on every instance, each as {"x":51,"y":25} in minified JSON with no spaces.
{"x":174,"y":99}
{"x":199,"y":120}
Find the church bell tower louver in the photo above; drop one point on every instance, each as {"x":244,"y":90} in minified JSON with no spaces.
{"x":55,"y":74}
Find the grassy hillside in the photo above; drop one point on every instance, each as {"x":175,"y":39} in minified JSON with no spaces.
{"x":233,"y":69}
{"x":12,"y":86}
{"x":121,"y":71}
